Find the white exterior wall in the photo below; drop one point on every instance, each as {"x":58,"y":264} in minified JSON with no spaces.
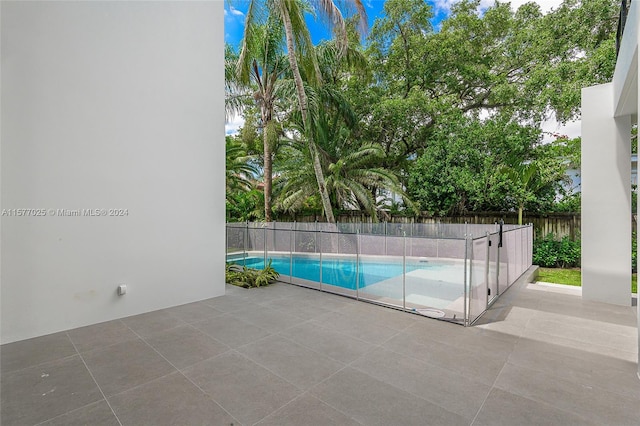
{"x":110,"y":105}
{"x":606,"y":199}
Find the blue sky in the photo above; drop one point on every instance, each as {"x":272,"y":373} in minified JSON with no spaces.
{"x":235,"y":15}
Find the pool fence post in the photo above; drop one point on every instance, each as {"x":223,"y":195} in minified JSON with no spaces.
{"x":486,"y":265}
{"x":385,"y":237}
{"x":468,"y":256}
{"x":244,"y":243}
{"x":319,"y":249}
{"x":357,"y":265}
{"x":410,"y":235}
{"x":498,"y":259}
{"x":291,"y":238}
{"x":404,"y":271}
{"x":264,"y":244}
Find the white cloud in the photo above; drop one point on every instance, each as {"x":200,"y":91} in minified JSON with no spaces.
{"x":545,"y":5}
{"x":235,"y":11}
{"x":232,"y":126}
{"x":552,"y":129}
{"x":232,"y":14}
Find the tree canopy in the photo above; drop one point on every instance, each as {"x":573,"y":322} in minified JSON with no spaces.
{"x":444,"y":120}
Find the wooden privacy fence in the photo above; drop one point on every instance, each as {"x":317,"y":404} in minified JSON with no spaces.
{"x":558,"y":224}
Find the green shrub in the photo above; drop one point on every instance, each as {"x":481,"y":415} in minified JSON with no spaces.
{"x":249,"y":277}
{"x":634,"y":253}
{"x":551,"y":253}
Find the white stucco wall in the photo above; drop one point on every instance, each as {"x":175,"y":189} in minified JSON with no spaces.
{"x":110,"y":105}
{"x":606,"y":199}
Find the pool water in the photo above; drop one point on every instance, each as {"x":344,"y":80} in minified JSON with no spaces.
{"x":337,"y":272}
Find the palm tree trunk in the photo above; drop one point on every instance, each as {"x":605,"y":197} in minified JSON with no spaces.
{"x":267,"y":173}
{"x":302,"y":100}
{"x":520,"y":208}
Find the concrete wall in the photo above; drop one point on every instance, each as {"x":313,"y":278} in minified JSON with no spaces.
{"x":606,"y":199}
{"x":109,"y":105}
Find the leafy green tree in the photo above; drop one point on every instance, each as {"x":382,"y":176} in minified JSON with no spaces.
{"x":262,"y":65}
{"x":458,"y":171}
{"x":354,"y":174}
{"x":238,"y":167}
{"x":525,"y":179}
{"x":353,"y":182}
{"x":446,"y":109}
{"x":517,"y":63}
{"x":291,"y":13}
{"x":241,"y":196}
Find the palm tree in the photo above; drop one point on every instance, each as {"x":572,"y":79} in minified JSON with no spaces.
{"x":239,"y":167}
{"x":262,"y":65}
{"x":291,"y":14}
{"x":352,"y":178}
{"x":526,"y":180}
{"x":353,"y":172}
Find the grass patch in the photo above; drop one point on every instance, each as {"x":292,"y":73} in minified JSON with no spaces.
{"x":560,"y":276}
{"x":572,"y":277}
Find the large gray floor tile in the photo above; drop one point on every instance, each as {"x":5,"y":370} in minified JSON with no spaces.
{"x":267,"y":318}
{"x":587,"y":334}
{"x":307,"y":410}
{"x":506,"y":409}
{"x":152,"y":322}
{"x":372,"y":402}
{"x":582,"y":367}
{"x":230,"y":303}
{"x":452,"y":391}
{"x":122,"y":366}
{"x":296,"y":306}
{"x":439,"y":331}
{"x":194,"y":312}
{"x":291,"y":361}
{"x":355,"y":327}
{"x":246,"y":390}
{"x":586,"y":322}
{"x":477,"y":366}
{"x":44,"y":391}
{"x":601,"y":312}
{"x":381,"y":315}
{"x":170,"y":400}
{"x":231,"y":331}
{"x":488,"y":342}
{"x":538,"y":340}
{"x":331,"y":343}
{"x":277,"y":291}
{"x":593,"y":403}
{"x":328,"y":301}
{"x":184,"y":346}
{"x":27,"y":353}
{"x":570,"y":349}
{"x":100,"y":335}
{"x":96,"y":414}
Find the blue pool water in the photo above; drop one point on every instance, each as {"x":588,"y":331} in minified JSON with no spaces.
{"x":338,"y":272}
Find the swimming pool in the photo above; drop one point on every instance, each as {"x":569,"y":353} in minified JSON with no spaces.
{"x":456,"y":269}
{"x":340,"y":272}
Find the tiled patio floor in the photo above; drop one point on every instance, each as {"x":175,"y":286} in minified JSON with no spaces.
{"x":284,"y":355}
